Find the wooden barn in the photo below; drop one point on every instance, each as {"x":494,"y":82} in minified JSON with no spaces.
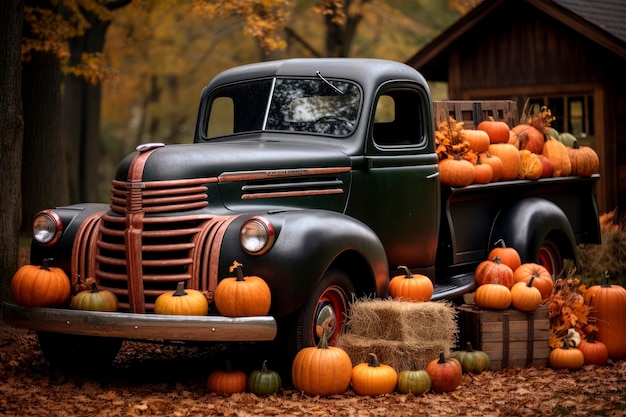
{"x":569,"y":55}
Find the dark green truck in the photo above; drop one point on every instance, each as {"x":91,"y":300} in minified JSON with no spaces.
{"x":318,"y":175}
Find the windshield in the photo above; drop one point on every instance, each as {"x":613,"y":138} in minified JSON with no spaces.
{"x":318,"y":105}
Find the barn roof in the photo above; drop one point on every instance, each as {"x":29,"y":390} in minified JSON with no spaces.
{"x":601,"y":21}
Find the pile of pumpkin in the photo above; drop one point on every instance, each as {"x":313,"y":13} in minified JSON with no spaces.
{"x":504,"y":282}
{"x":495,"y":152}
{"x":48,"y":286}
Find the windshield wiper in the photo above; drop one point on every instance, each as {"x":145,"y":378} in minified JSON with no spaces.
{"x":329,"y":83}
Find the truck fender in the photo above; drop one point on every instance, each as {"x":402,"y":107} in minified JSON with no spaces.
{"x":532,"y":225}
{"x":308,"y":244}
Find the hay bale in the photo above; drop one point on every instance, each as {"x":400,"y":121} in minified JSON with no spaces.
{"x":390,"y":319}
{"x":400,"y":355}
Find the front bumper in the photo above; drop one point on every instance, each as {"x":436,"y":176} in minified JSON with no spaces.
{"x":141,"y":326}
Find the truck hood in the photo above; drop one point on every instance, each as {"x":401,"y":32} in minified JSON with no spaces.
{"x":246,"y":173}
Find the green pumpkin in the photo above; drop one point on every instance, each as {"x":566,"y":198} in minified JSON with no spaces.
{"x":414,"y":381}
{"x":264,"y":381}
{"x":472,"y":361}
{"x":567,"y":139}
{"x":94,"y":299}
{"x":552,"y":132}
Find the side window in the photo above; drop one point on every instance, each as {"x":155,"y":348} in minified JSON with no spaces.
{"x":398,"y":118}
{"x":221,"y":117}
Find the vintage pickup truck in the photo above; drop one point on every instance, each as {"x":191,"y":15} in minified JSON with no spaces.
{"x":318,"y":175}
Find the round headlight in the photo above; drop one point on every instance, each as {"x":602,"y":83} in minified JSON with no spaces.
{"x":47,"y":227}
{"x":256,"y":236}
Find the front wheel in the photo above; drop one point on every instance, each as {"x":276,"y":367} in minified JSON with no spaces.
{"x":550,"y":256}
{"x":78,"y":353}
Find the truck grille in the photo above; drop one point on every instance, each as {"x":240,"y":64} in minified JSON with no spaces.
{"x":141,"y":249}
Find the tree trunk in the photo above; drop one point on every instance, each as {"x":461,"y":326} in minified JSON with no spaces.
{"x":81,"y":117}
{"x":44,"y":166}
{"x":11,"y":139}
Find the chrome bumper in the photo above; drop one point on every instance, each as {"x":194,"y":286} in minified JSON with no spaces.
{"x":141,"y":326}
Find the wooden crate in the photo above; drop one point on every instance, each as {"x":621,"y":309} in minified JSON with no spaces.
{"x":473,"y":112}
{"x":511,"y":338}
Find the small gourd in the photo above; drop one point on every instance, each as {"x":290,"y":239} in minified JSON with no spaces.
{"x":414,"y":381}
{"x":182,"y":302}
{"x":412,"y":287}
{"x":242,"y":296}
{"x":472,"y":361}
{"x":446,"y":374}
{"x":227,"y":381}
{"x":94,"y":299}
{"x":264,"y":381}
{"x":373,"y":377}
{"x":40,"y":286}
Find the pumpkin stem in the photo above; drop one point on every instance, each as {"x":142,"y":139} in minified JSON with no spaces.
{"x":45,"y":264}
{"x":94,"y":286}
{"x":264,"y":366}
{"x":180,"y":289}
{"x":237,"y":266}
{"x":442,"y":358}
{"x":468,"y":347}
{"x":532,"y":278}
{"x":323,"y":343}
{"x":407,"y":272}
{"x":501,"y":243}
{"x":373,"y":360}
{"x":592,"y":337}
{"x":497,"y":259}
{"x":606,"y":282}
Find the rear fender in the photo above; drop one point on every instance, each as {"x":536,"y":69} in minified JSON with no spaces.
{"x":526,"y":224}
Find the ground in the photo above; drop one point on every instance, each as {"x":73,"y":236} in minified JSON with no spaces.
{"x":166,"y":380}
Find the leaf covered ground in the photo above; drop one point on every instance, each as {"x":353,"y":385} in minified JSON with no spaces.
{"x":166,"y":380}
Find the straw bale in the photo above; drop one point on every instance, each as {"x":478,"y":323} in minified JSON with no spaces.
{"x":398,"y":354}
{"x":390,"y":319}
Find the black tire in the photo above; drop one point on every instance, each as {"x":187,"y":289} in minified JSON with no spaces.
{"x":331,"y":299}
{"x":549,"y":255}
{"x":299,"y":330}
{"x":75,"y":353}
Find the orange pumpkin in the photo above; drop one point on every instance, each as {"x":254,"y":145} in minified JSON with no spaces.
{"x":493,"y":296}
{"x":478,"y":139}
{"x":322,"y":370}
{"x":373,"y":377}
{"x":508,"y":256}
{"x":594,"y":352}
{"x":227,"y":381}
{"x":529,"y":137}
{"x":483,"y":173}
{"x":556,"y":152}
{"x":40,"y":286}
{"x":510,"y":157}
{"x":445,"y":373}
{"x":493,"y":269}
{"x":584,"y":160}
{"x":566,"y":357}
{"x":540,"y":276}
{"x":411,"y":287}
{"x":456,"y":172}
{"x":497,"y":130}
{"x":608,"y":310}
{"x":525,"y":297}
{"x":242,"y":296}
{"x":495,"y":163}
